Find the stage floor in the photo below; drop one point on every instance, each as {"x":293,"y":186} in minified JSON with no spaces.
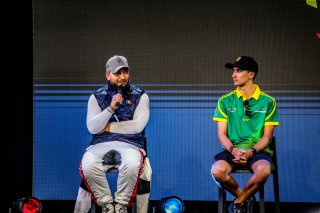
{"x":66,"y":206}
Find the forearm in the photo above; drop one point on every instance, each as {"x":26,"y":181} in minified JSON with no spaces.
{"x":222,"y":135}
{"x":139,"y":121}
{"x":265,"y":140}
{"x":224,"y":141}
{"x":263,"y":143}
{"x":96,"y":119}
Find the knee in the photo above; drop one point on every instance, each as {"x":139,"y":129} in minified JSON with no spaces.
{"x":88,"y":165}
{"x":132,"y":168}
{"x":218,"y":173}
{"x":263,"y":172}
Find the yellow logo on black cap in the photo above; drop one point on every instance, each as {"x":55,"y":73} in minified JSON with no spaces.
{"x":238,"y":59}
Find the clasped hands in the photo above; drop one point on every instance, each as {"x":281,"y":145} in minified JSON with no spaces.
{"x":241,"y":156}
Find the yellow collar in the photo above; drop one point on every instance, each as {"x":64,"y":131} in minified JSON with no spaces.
{"x":255,"y":94}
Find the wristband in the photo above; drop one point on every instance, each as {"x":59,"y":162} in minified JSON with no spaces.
{"x":230,"y":149}
{"x":254,"y":151}
{"x":110,"y":109}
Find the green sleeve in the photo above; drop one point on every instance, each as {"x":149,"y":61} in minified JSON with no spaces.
{"x":220,"y":113}
{"x":272,"y":114}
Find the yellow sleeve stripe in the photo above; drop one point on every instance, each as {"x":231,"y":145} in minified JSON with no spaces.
{"x":220,"y":120}
{"x":273,"y":110}
{"x":265,"y":94}
{"x":222,"y":113}
{"x":271,"y":123}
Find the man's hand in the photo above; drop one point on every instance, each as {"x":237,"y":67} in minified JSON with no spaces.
{"x":248,"y":154}
{"x":239,"y":156}
{"x":116,"y":101}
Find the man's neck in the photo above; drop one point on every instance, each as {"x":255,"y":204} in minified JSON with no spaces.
{"x":247,"y":90}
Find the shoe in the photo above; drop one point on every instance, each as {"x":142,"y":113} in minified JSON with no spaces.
{"x":120,"y":208}
{"x":236,"y":208}
{"x":109,"y":208}
{"x":250,"y":204}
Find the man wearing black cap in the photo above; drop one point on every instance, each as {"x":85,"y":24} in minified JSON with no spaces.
{"x":246,"y":119}
{"x":116,"y":117}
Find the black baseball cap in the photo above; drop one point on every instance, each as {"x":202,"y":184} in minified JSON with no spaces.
{"x":244,"y":63}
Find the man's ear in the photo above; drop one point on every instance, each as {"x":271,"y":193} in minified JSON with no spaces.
{"x":108,"y":76}
{"x":252,"y":74}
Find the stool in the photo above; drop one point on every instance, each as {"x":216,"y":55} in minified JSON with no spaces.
{"x":222,"y":194}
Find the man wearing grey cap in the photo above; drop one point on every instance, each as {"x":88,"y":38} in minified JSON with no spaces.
{"x":117,"y":115}
{"x":246,"y":120}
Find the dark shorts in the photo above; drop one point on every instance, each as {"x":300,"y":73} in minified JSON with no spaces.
{"x":225,"y":155}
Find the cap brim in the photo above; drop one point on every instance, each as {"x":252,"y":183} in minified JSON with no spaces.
{"x":119,"y":68}
{"x":229,"y":65}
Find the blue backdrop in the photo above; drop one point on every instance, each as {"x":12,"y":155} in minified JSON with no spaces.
{"x":182,"y":141}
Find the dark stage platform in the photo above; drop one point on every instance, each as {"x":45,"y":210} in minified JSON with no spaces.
{"x":192,"y":207}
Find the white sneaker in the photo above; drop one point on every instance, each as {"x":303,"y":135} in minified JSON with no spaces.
{"x":109,"y":208}
{"x":120,"y":208}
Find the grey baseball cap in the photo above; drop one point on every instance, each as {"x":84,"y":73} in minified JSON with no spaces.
{"x":115,"y":63}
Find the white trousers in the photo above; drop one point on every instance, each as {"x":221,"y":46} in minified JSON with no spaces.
{"x":131,"y":164}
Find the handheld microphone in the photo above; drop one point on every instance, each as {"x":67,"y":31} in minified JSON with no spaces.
{"x":120,"y":89}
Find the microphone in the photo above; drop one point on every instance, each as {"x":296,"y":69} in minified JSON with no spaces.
{"x":120,"y":89}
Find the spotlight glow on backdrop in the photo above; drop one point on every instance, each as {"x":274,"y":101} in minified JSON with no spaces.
{"x":172,"y":204}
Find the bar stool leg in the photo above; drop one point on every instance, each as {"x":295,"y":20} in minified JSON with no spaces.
{"x":262,"y":206}
{"x":222,"y":201}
